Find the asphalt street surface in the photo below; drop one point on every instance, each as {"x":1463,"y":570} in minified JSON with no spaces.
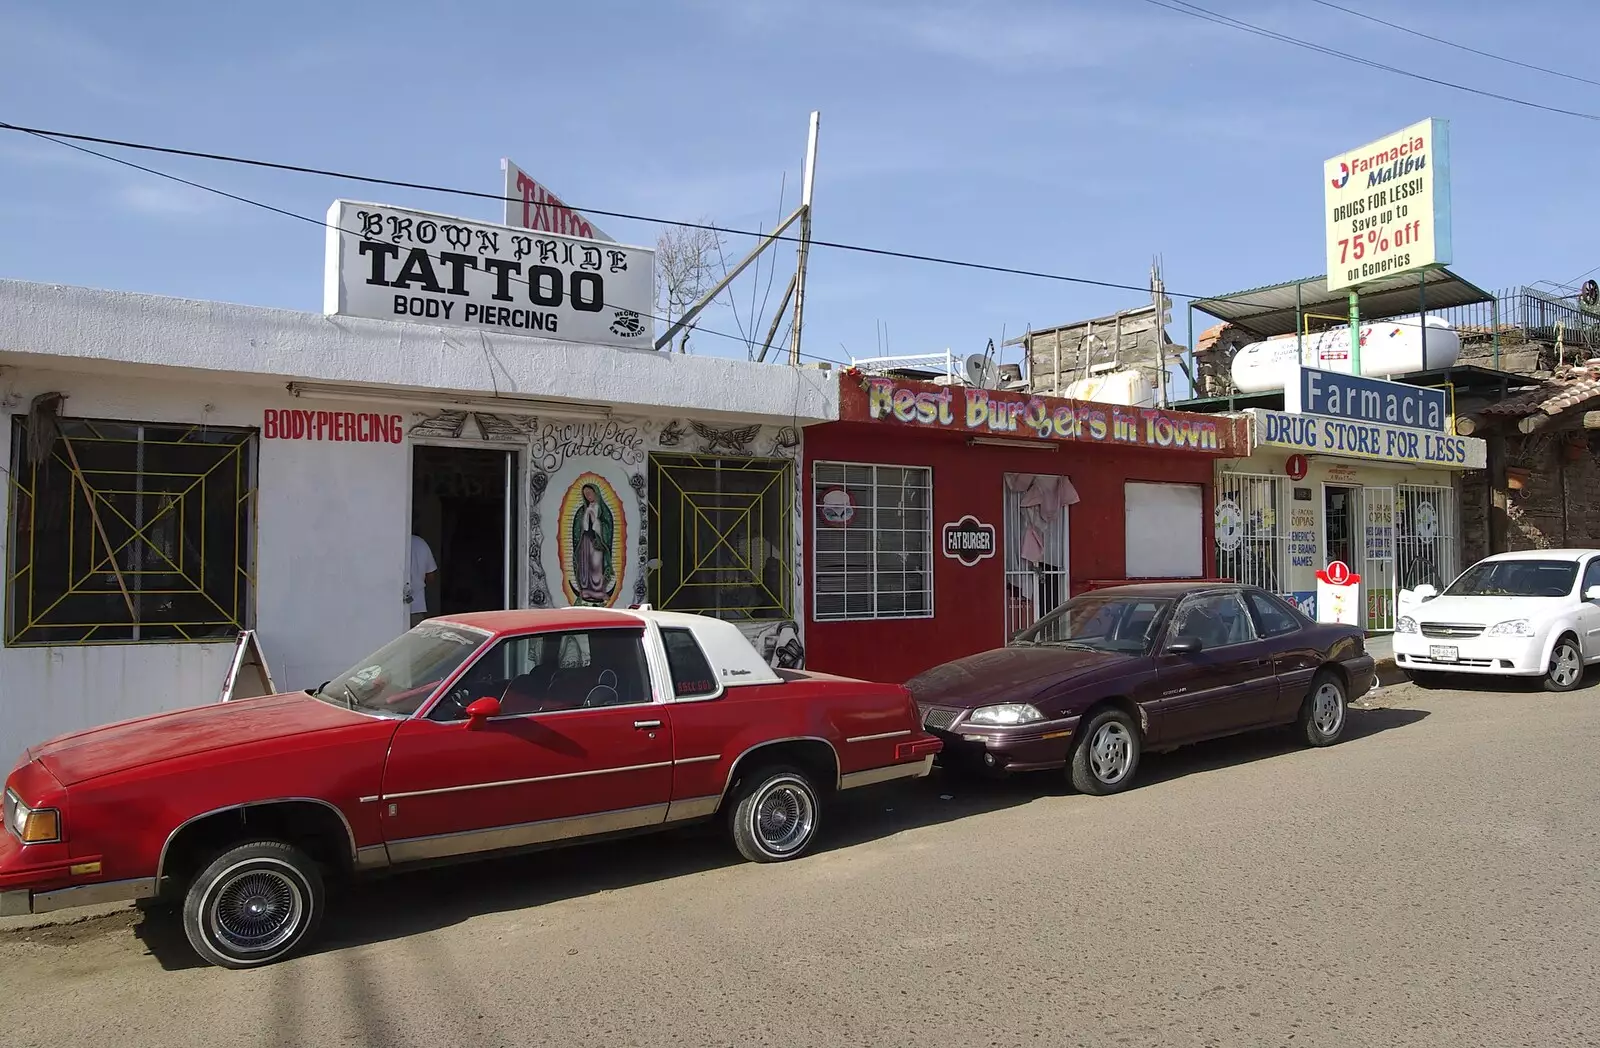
{"x":1431,"y":880}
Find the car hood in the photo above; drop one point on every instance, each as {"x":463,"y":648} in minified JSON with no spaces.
{"x":1483,"y":610}
{"x":181,"y":733}
{"x":1005,"y":675}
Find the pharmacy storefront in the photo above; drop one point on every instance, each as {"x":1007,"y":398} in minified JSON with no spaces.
{"x":1357,"y":470}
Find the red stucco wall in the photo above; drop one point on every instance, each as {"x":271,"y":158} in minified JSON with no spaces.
{"x":968,"y":602}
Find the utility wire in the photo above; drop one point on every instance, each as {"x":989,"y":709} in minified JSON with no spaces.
{"x":321,"y":223}
{"x":1183,"y":7}
{"x":66,"y":137}
{"x":1452,"y":43}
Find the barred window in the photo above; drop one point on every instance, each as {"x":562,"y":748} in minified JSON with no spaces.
{"x":872,"y":555}
{"x":126,"y":532}
{"x":722,"y":532}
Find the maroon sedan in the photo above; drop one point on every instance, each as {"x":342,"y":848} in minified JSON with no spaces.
{"x":1115,"y":672}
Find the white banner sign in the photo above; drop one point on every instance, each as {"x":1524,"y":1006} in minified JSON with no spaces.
{"x":1386,"y":206}
{"x":1322,"y":435}
{"x":390,"y":263}
{"x":530,"y":205}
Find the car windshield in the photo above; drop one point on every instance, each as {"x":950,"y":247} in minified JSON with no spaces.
{"x":1516,"y":578}
{"x":1103,"y":623}
{"x":399,"y":677}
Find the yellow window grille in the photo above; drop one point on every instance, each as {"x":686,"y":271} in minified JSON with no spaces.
{"x":126,"y":532}
{"x":722,"y":530}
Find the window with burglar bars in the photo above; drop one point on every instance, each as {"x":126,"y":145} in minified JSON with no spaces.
{"x":125,"y":532}
{"x":1425,"y":536}
{"x":723,"y":532}
{"x":1252,"y":533}
{"x":872,"y":541}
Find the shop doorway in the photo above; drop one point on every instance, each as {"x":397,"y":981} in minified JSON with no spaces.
{"x":1035,"y":545}
{"x":1358,"y":527}
{"x":463,"y":507}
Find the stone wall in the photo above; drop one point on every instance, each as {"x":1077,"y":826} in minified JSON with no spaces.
{"x":1558,"y":508}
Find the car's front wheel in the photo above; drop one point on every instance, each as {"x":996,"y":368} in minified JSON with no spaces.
{"x":253,"y":904}
{"x":1107,"y":754}
{"x":775,"y":814}
{"x":1565,"y":671}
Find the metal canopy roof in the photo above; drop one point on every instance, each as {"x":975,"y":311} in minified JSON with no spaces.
{"x":1268,"y":311}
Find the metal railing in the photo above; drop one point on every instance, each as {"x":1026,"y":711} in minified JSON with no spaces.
{"x":1520,"y":315}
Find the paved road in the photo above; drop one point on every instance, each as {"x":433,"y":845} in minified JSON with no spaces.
{"x":1430,"y":881}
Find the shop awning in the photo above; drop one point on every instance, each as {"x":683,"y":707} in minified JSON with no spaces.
{"x":1272,"y":310}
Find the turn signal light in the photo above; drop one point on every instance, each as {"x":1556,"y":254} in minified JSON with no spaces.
{"x":41,"y":827}
{"x":918,"y":748}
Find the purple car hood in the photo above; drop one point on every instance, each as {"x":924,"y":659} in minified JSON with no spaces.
{"x":1005,"y":675}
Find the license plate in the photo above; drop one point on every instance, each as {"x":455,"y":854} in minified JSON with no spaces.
{"x":1444,"y":653}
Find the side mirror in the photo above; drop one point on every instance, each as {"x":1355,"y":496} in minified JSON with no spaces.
{"x":1425,"y":592}
{"x":480,"y":710}
{"x":1185,"y":645}
{"x":1592,"y":593}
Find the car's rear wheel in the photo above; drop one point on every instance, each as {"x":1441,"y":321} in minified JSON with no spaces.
{"x":775,"y":814}
{"x":1106,"y":755}
{"x":1565,"y":671}
{"x":253,"y":904}
{"x":1323,"y":711}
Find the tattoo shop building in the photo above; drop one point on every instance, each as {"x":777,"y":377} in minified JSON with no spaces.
{"x":179,"y":472}
{"x":942,"y":519}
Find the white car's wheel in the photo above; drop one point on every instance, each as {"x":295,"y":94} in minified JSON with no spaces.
{"x":1565,"y":671}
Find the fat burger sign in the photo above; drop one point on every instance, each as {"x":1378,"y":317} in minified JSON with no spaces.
{"x":968,"y":540}
{"x":389,"y":263}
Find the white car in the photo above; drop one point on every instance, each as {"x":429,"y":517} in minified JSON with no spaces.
{"x":1530,"y":614}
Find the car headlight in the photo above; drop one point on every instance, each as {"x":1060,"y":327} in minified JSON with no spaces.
{"x":1407,"y":624}
{"x":1511,"y":628}
{"x":1005,"y":713}
{"x":31,"y":825}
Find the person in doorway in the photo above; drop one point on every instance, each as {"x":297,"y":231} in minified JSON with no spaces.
{"x":420,"y":572}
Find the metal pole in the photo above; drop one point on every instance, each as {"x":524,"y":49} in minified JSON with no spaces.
{"x":727,"y":278}
{"x":1422,"y":316}
{"x":805,"y":239}
{"x":1195,"y":367}
{"x":777,"y":318}
{"x":1494,"y":328}
{"x":1355,"y":333}
{"x":1161,"y":335}
{"x":1299,"y":326}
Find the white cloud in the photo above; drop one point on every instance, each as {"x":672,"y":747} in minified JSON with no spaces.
{"x":167,"y":200}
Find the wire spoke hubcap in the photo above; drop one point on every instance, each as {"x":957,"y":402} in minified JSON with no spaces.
{"x":1327,"y":712}
{"x":256,"y":910}
{"x":1111,"y":752}
{"x":784,"y":817}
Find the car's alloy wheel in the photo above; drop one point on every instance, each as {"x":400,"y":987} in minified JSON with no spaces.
{"x":1324,"y":710}
{"x":776,"y":815}
{"x":1566,"y":666}
{"x":1107,"y":753}
{"x":253,"y":904}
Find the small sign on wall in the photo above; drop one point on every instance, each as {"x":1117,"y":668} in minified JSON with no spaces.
{"x":968,"y":540}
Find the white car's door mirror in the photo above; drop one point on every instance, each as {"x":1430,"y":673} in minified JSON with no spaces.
{"x":1425,"y":592}
{"x":1592,"y":593}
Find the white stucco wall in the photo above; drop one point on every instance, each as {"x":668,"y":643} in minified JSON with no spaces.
{"x":331,"y":530}
{"x":334,"y":518}
{"x":72,"y":323}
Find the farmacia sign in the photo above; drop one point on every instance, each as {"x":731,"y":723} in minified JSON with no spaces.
{"x":391,"y":263}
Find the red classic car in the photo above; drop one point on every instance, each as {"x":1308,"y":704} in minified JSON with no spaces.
{"x":469,"y":735}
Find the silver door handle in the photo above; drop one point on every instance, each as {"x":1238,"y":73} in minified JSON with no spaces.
{"x":642,"y":725}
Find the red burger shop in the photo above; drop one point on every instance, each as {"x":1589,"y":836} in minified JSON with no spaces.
{"x":943,"y":519}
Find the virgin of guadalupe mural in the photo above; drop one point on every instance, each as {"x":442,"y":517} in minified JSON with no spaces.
{"x":592,"y":541}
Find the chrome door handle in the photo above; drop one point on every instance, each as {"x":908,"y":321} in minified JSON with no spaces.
{"x":644,"y":725}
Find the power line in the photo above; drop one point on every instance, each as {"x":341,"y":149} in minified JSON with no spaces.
{"x":1183,"y":7}
{"x":323,"y":224}
{"x":66,"y":137}
{"x":1452,"y":43}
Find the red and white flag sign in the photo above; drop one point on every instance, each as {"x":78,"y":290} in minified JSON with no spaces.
{"x":530,"y":205}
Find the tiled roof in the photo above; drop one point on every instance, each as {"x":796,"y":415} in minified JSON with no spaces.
{"x":1552,"y":398}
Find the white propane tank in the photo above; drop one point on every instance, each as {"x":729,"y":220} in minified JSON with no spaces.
{"x":1129,"y":388}
{"x":1388,"y":347}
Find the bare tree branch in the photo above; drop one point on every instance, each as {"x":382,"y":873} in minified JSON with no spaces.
{"x":686,"y":259}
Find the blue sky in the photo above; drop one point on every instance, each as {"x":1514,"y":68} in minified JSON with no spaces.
{"x":1077,"y":137}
